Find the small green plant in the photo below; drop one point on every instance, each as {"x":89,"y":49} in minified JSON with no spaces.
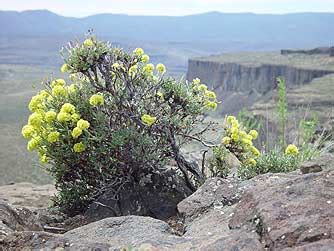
{"x":118,"y":121}
{"x":274,"y":161}
{"x":282,"y":110}
{"x":218,"y":165}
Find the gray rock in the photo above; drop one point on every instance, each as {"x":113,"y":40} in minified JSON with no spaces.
{"x":210,"y":231}
{"x":293,"y":213}
{"x":126,"y":232}
{"x":34,"y":240}
{"x":288,"y":212}
{"x":322,"y":245}
{"x":215,"y":192}
{"x":16,"y":219}
{"x":310,"y":167}
{"x":145,"y":232}
{"x":325,"y":161}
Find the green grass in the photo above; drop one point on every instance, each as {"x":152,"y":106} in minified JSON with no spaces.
{"x":319,"y":62}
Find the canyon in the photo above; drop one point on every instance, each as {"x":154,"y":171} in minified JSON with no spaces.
{"x":249,"y":79}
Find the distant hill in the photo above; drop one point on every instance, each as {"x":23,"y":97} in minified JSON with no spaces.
{"x":288,"y":30}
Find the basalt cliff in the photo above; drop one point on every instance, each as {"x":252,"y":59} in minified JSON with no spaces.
{"x":244,"y":79}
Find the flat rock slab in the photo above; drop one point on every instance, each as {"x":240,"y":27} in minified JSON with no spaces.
{"x":214,"y":193}
{"x":27,"y":194}
{"x":126,"y":232}
{"x":144,"y":232}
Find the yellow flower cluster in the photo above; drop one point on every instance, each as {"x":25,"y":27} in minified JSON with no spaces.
{"x":210,"y":98}
{"x":240,"y":142}
{"x":160,"y":95}
{"x":148,"y":69}
{"x":88,"y":42}
{"x":53,"y":137}
{"x":58,"y":82}
{"x":161,"y":68}
{"x":65,"y":68}
{"x":133,"y":70}
{"x":50,"y":116}
{"x":72,"y":89}
{"x":138,"y":52}
{"x":67,"y":113}
{"x":46,"y":126}
{"x":79,"y":147}
{"x":96,"y":100}
{"x":36,"y":103}
{"x":81,"y":126}
{"x":145,"y":59}
{"x":291,"y":150}
{"x":76,"y":132}
{"x":28,"y":131}
{"x":148,"y":119}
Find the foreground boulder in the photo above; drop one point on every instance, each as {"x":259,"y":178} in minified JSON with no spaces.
{"x":295,"y":213}
{"x":292,"y":211}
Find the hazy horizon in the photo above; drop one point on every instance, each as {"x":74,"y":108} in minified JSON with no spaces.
{"x":153,"y":15}
{"x":77,"y":8}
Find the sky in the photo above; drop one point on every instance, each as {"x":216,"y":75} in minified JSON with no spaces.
{"x":80,"y":8}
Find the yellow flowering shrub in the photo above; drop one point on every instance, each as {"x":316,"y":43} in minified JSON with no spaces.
{"x":235,"y":141}
{"x":116,"y":120}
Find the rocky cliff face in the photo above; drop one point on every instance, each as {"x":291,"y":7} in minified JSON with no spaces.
{"x":238,"y":77}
